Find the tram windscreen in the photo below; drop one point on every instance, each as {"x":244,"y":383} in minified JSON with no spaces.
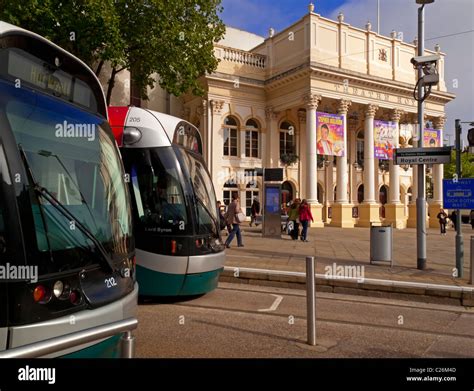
{"x":160,"y":200}
{"x":204,"y":195}
{"x":70,"y":154}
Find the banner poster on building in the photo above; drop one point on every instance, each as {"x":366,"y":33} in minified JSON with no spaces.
{"x":407,"y":133}
{"x":384,"y":139}
{"x":431,"y":138}
{"x":330,"y":134}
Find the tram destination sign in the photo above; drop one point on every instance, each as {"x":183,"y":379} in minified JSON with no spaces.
{"x":439,"y":155}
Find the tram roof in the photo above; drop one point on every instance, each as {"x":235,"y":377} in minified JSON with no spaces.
{"x":10,"y":29}
{"x":160,"y":128}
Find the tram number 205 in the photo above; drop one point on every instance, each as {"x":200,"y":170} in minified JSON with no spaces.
{"x":110,"y":282}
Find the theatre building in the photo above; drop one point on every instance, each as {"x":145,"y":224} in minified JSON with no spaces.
{"x":327,"y":102}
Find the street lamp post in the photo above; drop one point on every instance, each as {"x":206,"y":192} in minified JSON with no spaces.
{"x":458,"y":222}
{"x":421,"y":199}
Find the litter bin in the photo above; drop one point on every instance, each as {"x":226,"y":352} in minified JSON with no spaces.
{"x":381,"y":243}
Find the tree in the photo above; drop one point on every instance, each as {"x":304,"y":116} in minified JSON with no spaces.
{"x":467,"y":165}
{"x":89,"y":29}
{"x":174,"y":39}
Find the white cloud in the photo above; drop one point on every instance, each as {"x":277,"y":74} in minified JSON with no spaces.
{"x":443,"y":17}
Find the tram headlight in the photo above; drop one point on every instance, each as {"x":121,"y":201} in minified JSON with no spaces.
{"x":131,"y":135}
{"x":58,"y":289}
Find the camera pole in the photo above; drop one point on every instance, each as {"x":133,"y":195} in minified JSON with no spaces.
{"x":420,"y":201}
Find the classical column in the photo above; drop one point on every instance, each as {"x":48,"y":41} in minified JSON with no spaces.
{"x":342,"y":209}
{"x":201,"y":112}
{"x":300,"y":153}
{"x":216,"y":142}
{"x":438,"y":174}
{"x":312,"y":101}
{"x":272,"y":148}
{"x":395,"y":209}
{"x":411,"y":222}
{"x":369,"y":210}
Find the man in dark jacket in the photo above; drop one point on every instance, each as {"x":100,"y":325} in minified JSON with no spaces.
{"x":454,"y":219}
{"x":254,"y":210}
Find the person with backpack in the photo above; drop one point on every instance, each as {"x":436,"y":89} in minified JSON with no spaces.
{"x":442,"y":218}
{"x":294,"y":219}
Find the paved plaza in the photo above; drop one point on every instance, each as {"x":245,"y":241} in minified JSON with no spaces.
{"x":352,"y":247}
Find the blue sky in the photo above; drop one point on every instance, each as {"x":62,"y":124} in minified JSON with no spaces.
{"x":446,"y":20}
{"x":257,"y":16}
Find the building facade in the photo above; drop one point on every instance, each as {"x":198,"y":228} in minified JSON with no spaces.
{"x":260,"y":108}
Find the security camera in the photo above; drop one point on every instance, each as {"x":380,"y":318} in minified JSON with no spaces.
{"x":429,"y":65}
{"x":425,"y":60}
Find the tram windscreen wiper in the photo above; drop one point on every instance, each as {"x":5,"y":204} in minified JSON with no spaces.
{"x":206,"y":209}
{"x":45,"y":193}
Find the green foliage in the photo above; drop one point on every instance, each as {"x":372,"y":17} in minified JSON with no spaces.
{"x":174,"y":39}
{"x":467,"y":166}
{"x":89,"y":28}
{"x":288,"y":159}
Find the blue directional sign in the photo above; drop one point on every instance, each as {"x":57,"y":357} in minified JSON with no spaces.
{"x":458,"y":194}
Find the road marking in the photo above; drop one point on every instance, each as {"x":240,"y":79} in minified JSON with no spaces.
{"x":275,"y":304}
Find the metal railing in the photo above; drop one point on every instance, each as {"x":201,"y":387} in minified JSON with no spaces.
{"x":56,"y":344}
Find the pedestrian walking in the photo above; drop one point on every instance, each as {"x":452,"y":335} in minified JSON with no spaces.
{"x":454,"y":219}
{"x":442,"y":218}
{"x":305,"y":217}
{"x":294,"y":219}
{"x":234,"y":217}
{"x":222,"y":220}
{"x":254,"y":211}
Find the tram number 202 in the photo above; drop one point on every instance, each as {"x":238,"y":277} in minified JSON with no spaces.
{"x":110,"y":282}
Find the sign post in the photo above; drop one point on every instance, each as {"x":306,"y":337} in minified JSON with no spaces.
{"x":458,"y":193}
{"x":437,"y":155}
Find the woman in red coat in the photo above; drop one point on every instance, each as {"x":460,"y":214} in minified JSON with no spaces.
{"x":305,"y":216}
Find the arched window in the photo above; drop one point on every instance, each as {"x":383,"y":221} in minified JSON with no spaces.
{"x":320,"y":194}
{"x":360,"y":148}
{"x":410,"y":194}
{"x":251,"y":138}
{"x":230,"y":136}
{"x":287,"y":138}
{"x":286,"y":192}
{"x":360,"y":194}
{"x":230,"y":188}
{"x":383,"y":193}
{"x":251,"y":193}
